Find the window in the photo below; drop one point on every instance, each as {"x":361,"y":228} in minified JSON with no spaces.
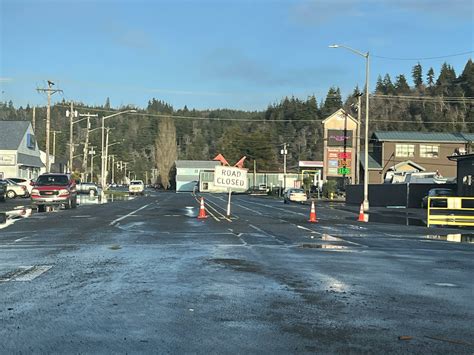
{"x":404,"y":150}
{"x":429,"y":151}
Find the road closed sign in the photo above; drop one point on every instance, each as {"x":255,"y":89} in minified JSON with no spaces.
{"x":232,"y":178}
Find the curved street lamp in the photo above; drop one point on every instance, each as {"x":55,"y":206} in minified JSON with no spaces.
{"x":102,"y":170}
{"x":366,"y":145}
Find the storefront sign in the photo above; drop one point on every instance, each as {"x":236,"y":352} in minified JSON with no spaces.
{"x":7,"y":159}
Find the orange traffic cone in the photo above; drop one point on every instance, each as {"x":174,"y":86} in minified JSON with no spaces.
{"x":361,"y":214}
{"x":202,"y":210}
{"x":312,"y":215}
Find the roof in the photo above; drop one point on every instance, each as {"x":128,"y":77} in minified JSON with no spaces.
{"x":196,"y":164}
{"x":461,"y":157}
{"x":407,"y":162}
{"x":373,"y":164}
{"x":30,"y":160}
{"x":337,"y":113}
{"x":432,"y":137}
{"x":11,"y":134}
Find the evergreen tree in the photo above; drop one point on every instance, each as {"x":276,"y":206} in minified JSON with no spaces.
{"x":388,"y":85}
{"x":417,"y":74}
{"x":466,"y":80}
{"x":332,"y":103}
{"x":430,"y":77}
{"x":401,"y":85}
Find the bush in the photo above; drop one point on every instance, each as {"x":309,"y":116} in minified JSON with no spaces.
{"x":328,"y":187}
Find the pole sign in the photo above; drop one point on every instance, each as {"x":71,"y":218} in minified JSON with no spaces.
{"x":230,"y":177}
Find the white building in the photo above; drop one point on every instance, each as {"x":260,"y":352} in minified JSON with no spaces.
{"x":19,"y":152}
{"x":187,"y":173}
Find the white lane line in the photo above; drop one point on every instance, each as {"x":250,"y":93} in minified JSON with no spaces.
{"x":306,"y":229}
{"x":128,"y":215}
{"x":276,"y":208}
{"x":249,"y":209}
{"x":265,"y":233}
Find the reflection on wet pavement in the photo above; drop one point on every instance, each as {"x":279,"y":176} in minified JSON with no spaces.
{"x":101,"y":199}
{"x":323,"y":246}
{"x":455,"y":238}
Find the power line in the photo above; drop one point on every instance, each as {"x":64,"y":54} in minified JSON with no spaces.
{"x":264,"y":120}
{"x":425,"y":58}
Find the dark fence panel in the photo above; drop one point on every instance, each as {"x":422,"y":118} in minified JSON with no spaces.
{"x":418,"y":191}
{"x":382,"y":195}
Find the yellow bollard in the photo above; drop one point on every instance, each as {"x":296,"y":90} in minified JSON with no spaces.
{"x":331,"y":195}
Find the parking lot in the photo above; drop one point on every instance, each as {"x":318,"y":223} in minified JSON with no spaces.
{"x":145,"y":275}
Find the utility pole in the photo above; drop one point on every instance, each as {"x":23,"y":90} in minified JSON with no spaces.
{"x":125,"y":173}
{"x":359,"y":117}
{"x":91,"y":153}
{"x":72,"y":114}
{"x":50,"y":92}
{"x":113,"y":168}
{"x":54,"y":143}
{"x":284,"y":152}
{"x":33,"y":121}
{"x":86,"y":144}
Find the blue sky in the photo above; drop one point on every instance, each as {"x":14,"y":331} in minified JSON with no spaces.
{"x":237,"y":54}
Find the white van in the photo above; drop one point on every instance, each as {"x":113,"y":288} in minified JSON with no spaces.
{"x":136,"y":187}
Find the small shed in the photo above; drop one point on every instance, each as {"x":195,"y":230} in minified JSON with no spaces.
{"x":188,"y":171}
{"x":465,"y":174}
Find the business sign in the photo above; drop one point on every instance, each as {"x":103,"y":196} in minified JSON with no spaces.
{"x":230,"y":177}
{"x":339,"y":138}
{"x":7,"y":159}
{"x":344,"y":171}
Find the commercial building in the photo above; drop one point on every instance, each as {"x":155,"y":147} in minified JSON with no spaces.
{"x":340,"y":147}
{"x":402,"y":152}
{"x":19,"y":152}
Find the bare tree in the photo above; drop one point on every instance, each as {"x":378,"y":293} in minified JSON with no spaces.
{"x":166,"y":149}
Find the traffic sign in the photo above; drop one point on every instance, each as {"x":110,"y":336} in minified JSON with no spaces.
{"x":230,"y":177}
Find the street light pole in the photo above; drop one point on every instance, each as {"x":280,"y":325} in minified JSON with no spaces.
{"x":102,"y":170}
{"x":366,"y":145}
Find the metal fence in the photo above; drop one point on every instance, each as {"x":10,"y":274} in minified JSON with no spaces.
{"x":450,"y":211}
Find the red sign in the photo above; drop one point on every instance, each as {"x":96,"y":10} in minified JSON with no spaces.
{"x":344,"y":155}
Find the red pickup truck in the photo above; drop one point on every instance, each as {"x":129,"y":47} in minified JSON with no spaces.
{"x":53,"y":190}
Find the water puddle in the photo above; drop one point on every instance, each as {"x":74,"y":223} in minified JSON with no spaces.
{"x":10,"y":217}
{"x":454,"y":238}
{"x":102,"y":198}
{"x":406,"y":220}
{"x":323,"y":246}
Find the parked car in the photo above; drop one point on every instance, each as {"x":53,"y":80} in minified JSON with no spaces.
{"x":3,"y":191}
{"x":136,"y":187}
{"x":295,"y":195}
{"x":437,"y":192}
{"x":87,"y":188}
{"x":28,"y":183}
{"x":15,"y":190}
{"x":54,"y":189}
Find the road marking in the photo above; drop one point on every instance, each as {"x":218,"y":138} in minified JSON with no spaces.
{"x":306,"y":229}
{"x":25,"y":273}
{"x":277,"y":208}
{"x":265,"y":233}
{"x":128,"y":215}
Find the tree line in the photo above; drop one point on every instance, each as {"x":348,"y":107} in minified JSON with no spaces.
{"x":159,"y":132}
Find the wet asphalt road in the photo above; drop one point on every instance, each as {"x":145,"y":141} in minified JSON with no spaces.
{"x":147,"y":276}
